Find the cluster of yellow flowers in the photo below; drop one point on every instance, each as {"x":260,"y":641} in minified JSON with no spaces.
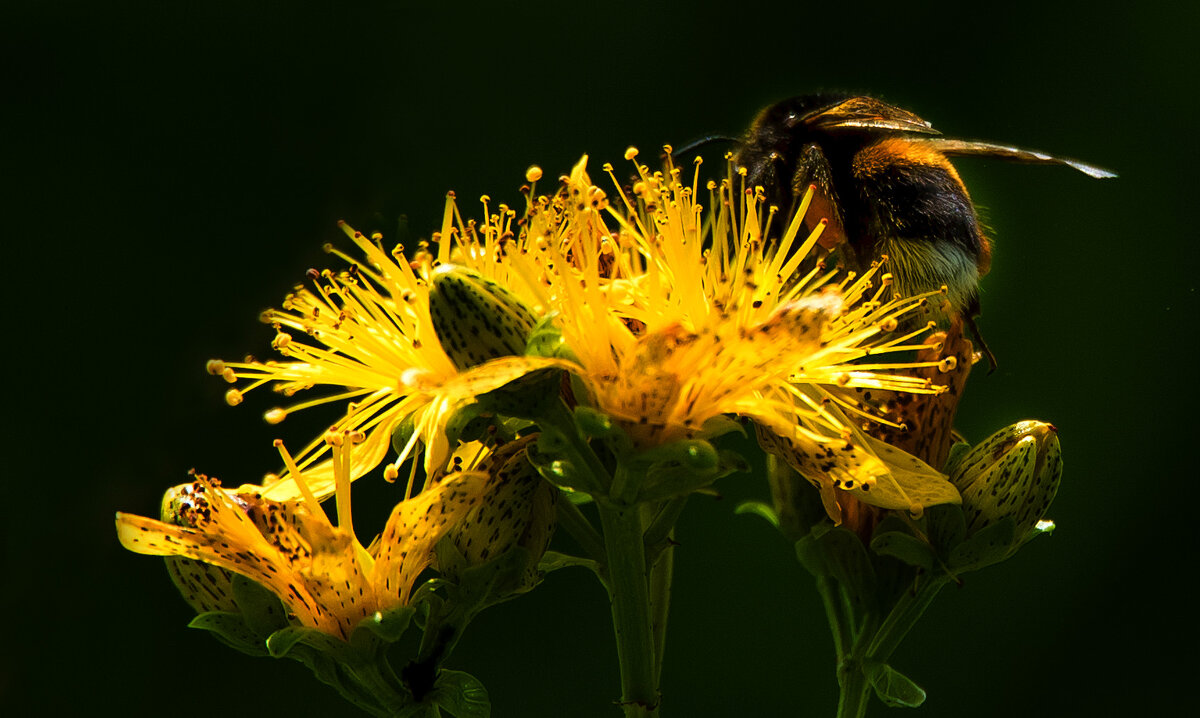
{"x":676,"y":304}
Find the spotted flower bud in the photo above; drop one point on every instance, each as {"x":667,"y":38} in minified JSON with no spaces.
{"x":475,"y":318}
{"x":518,"y":510}
{"x":205,"y":587}
{"x":1013,"y":474}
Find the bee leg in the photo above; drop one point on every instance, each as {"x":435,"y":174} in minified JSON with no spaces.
{"x":972,"y":311}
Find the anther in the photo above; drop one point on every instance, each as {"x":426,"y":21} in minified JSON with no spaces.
{"x":216,"y":367}
{"x":630,"y":153}
{"x":948,"y":364}
{"x":275,"y":415}
{"x":233,"y":397}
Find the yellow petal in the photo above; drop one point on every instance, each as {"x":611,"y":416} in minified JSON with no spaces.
{"x":908,"y":484}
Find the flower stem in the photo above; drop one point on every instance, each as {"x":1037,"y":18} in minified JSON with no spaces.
{"x":661,"y":573}
{"x":838,"y":622}
{"x":631,"y":611}
{"x":903,"y":617}
{"x":855,"y":691}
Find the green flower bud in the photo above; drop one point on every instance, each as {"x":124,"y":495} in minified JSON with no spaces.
{"x":1013,"y":474}
{"x":475,"y":318}
{"x":517,"y":512}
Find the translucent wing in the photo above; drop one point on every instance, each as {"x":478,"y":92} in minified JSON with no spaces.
{"x":987,"y":149}
{"x":866,"y":112}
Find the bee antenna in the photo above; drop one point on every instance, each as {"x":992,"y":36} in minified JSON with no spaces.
{"x":703,"y":141}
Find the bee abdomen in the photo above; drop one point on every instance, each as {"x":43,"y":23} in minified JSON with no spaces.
{"x":915,"y":208}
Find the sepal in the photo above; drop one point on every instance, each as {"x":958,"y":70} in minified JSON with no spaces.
{"x":894,"y":688}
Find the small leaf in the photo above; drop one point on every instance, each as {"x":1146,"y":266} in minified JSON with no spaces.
{"x":462,"y":694}
{"x":812,"y":556}
{"x":759,"y":508}
{"x":947,"y":527}
{"x":957,"y":453}
{"x":554,"y":560}
{"x":231,"y":630}
{"x":906,"y":547}
{"x":281,"y":642}
{"x":390,"y":626}
{"x":849,"y":563}
{"x":262,"y":610}
{"x":991,"y":544}
{"x":893,"y":687}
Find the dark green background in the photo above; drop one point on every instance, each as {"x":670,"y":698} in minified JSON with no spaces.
{"x":172,"y":172}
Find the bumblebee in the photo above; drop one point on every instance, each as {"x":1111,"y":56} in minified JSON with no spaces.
{"x":885,"y":186}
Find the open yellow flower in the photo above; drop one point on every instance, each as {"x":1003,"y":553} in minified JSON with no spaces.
{"x":676,"y":316}
{"x":324,"y":576}
{"x":673,"y":316}
{"x":367,"y":333}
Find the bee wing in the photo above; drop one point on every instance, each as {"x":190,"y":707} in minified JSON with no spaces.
{"x":987,"y":149}
{"x":866,"y":112}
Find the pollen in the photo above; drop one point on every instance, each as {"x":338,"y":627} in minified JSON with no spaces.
{"x":533,"y":174}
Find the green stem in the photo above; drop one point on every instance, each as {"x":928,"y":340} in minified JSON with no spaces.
{"x":631,"y":614}
{"x":839,"y":623}
{"x":662,"y":525}
{"x":581,"y":529}
{"x":903,"y":616}
{"x":855,"y":691}
{"x":661,"y":574}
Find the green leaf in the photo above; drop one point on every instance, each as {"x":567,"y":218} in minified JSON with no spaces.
{"x":812,"y":556}
{"x":893,"y":687}
{"x":555,"y":560}
{"x":957,"y":452}
{"x":759,"y":508}
{"x":545,"y":455}
{"x":594,"y":424}
{"x":546,"y":340}
{"x":462,"y":694}
{"x":947,"y":526}
{"x":469,"y":423}
{"x":906,"y":547}
{"x":281,"y":642}
{"x":261,"y":609}
{"x":388,"y":627}
{"x":403,"y":433}
{"x":231,"y":630}
{"x":991,"y":544}
{"x":849,"y":563}
{"x":528,"y":397}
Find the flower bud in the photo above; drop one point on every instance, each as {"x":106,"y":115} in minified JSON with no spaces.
{"x":205,"y":587}
{"x":1013,"y":474}
{"x":475,"y":318}
{"x":517,"y":510}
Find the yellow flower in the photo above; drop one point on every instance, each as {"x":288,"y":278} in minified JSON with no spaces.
{"x":672,"y":315}
{"x":676,"y":316}
{"x":367,"y":332}
{"x":324,"y":576}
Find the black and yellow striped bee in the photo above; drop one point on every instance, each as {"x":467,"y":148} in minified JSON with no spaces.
{"x":884,"y":183}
